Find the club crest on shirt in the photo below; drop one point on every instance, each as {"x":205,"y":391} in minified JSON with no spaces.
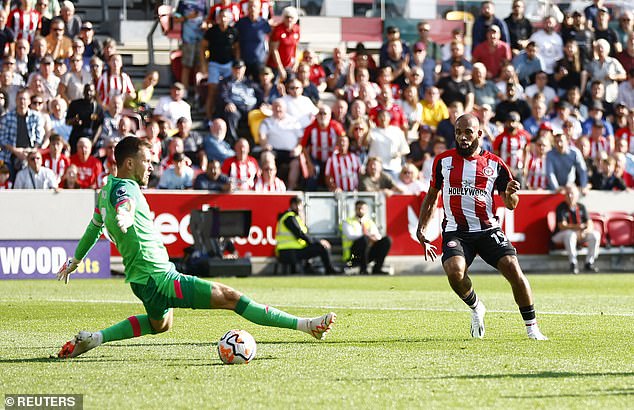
{"x":452,"y":244}
{"x":487,"y":171}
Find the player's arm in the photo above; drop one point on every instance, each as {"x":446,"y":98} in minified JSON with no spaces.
{"x":87,"y":241}
{"x":509,"y":195}
{"x":426,"y":212}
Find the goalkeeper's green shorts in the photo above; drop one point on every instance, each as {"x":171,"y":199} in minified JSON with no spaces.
{"x":161,"y":293}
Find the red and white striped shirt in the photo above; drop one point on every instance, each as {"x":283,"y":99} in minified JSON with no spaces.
{"x":110,"y":85}
{"x":57,"y":165}
{"x":467,"y":186}
{"x":628,"y":135}
{"x":511,"y":147}
{"x":598,"y":146}
{"x":216,"y":9}
{"x":322,"y":141}
{"x":266,"y":10}
{"x":344,"y":169}
{"x":243,"y":172}
{"x":24,"y":24}
{"x":536,"y":173}
{"x":274,"y":185}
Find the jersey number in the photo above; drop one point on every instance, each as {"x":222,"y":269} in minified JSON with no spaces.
{"x":499,"y":237}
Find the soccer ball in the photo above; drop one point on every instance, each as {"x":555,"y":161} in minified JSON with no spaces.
{"x":236,"y":347}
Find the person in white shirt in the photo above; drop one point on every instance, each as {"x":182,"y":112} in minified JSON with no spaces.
{"x":541,"y":86}
{"x":35,"y":176}
{"x":388,"y":143}
{"x":173,"y":106}
{"x":550,"y":44}
{"x":298,"y":105}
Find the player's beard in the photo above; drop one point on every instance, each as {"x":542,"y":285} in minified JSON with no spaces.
{"x":469,"y":151}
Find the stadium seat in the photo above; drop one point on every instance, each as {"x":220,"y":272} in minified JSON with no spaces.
{"x":599,"y":223}
{"x":620,"y":228}
{"x":359,"y":29}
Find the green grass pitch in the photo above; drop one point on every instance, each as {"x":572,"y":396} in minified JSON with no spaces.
{"x":399,"y":342}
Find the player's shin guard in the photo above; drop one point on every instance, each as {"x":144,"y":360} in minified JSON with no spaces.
{"x":264,"y":315}
{"x":134,"y":326}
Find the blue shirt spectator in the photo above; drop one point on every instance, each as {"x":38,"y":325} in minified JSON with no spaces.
{"x":194,"y":13}
{"x":527,"y":63}
{"x":253,"y":31}
{"x":485,"y":20}
{"x":213,"y":180}
{"x":179,"y":176}
{"x":214,"y":144}
{"x":565,"y":165}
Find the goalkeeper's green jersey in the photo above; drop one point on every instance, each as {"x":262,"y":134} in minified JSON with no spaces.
{"x":141,"y":247}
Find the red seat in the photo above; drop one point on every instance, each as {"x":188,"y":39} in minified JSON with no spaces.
{"x":361,"y":29}
{"x":620,"y":227}
{"x":599,"y":224}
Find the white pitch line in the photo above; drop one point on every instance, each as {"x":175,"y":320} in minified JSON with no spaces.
{"x":404,"y":309}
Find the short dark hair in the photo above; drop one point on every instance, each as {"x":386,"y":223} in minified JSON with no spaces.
{"x":360,"y":202}
{"x":129,"y":147}
{"x":296,"y":200}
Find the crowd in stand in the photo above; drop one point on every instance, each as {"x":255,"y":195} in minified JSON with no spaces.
{"x":555,"y":99}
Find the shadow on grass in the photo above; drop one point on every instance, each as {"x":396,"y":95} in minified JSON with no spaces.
{"x":541,"y":375}
{"x":592,"y":393}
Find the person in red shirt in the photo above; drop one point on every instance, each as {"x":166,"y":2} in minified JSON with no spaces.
{"x":512,"y":144}
{"x":320,"y":138}
{"x":493,"y":53}
{"x":24,"y":21}
{"x":54,"y":158}
{"x":535,"y":175}
{"x":317,"y":72}
{"x":5,"y":177}
{"x":241,"y":168}
{"x":386,"y":103}
{"x":467,"y":177}
{"x":627,"y":133}
{"x":342,"y":168}
{"x":283,"y":44}
{"x":88,"y":167}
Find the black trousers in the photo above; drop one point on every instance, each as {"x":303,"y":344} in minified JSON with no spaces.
{"x":293,"y":256}
{"x":364,"y":253}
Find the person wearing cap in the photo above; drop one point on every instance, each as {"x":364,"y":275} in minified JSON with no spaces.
{"x":253,"y":29}
{"x":565,"y":166}
{"x":550,"y":44}
{"x":512,"y":145}
{"x":493,"y":52}
{"x":431,"y":48}
{"x":173,"y":106}
{"x":92,"y":46}
{"x":283,"y":43}
{"x":237,"y":96}
{"x":596,"y":112}
{"x":392,"y":35}
{"x":484,"y":22}
{"x":520,"y":28}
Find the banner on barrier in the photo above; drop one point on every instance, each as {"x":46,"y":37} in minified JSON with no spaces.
{"x":42,"y":259}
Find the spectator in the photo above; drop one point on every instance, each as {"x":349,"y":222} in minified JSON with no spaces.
{"x":49,"y":81}
{"x":578,"y":110}
{"x":456,"y":87}
{"x":375,"y":180}
{"x":625,"y":27}
{"x":358,"y":133}
{"x":178,"y":176}
{"x":71,"y":20}
{"x":439,"y":145}
{"x":409,"y":182}
{"x":413,"y":110}
{"x":596,"y":114}
{"x":92,"y":46}
{"x":603,"y":31}
{"x":550,"y":44}
{"x":626,"y":57}
{"x":4,"y":103}
{"x":58,"y":44}
{"x":253,"y":29}
{"x":508,"y":75}
{"x":213,"y":180}
{"x":606,"y":69}
{"x":448,"y":50}
{"x":393,"y":42}
{"x":388,"y":143}
{"x":342,"y":168}
{"x":297,"y":105}
{"x":574,"y":228}
{"x":423,"y":61}
{"x":599,"y":145}
{"x":493,"y":52}
{"x":191,"y":14}
{"x":626,"y":91}
{"x":512,"y":103}
{"x":283,"y":43}
{"x":434,"y":108}
{"x":88,"y":167}
{"x":280,"y":133}
{"x":484,"y":91}
{"x":24,"y":21}
{"x":221,"y":42}
{"x":268,"y":180}
{"x":317,"y":74}
{"x":591,"y":13}
{"x":242,"y":169}
{"x":535,"y":171}
{"x":569,"y":70}
{"x":605,"y":179}
{"x":112,"y":118}
{"x":5,"y":177}
{"x":96,"y":70}
{"x":237,"y":97}
{"x":340,"y":112}
{"x":38,"y":51}
{"x":35,"y":176}
{"x":174,"y":145}
{"x":527,"y":63}
{"x":432,"y":49}
{"x":224,"y":6}
{"x":565,"y":166}
{"x":562,"y":115}
{"x":86,"y":117}
{"x":295,"y":245}
{"x":115,"y":82}
{"x":173,"y":107}
{"x":7,"y":38}
{"x":362,"y":242}
{"x":447,"y":127}
{"x":57,"y":112}
{"x":336,"y":70}
{"x":214,"y":144}
{"x":397,"y":58}
{"x":22,"y":50}
{"x":310,"y":90}
{"x":512,"y":145}
{"x":520,"y":28}
{"x":9,"y":87}
{"x":71,"y":86}
{"x":21,"y":131}
{"x":457,"y":56}
{"x":537,"y":118}
{"x":541,"y":86}
{"x":193,"y":146}
{"x":420,"y":149}
{"x":69,"y":180}
{"x":626,"y":134}
{"x":483,"y":24}
{"x":109,"y":164}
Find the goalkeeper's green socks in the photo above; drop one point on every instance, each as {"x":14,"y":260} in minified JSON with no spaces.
{"x":266,"y":315}
{"x":134,"y":326}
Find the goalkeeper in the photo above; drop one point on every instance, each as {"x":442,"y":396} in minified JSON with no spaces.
{"x":123,"y":213}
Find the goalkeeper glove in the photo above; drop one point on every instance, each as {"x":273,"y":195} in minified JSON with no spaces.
{"x":68,"y":268}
